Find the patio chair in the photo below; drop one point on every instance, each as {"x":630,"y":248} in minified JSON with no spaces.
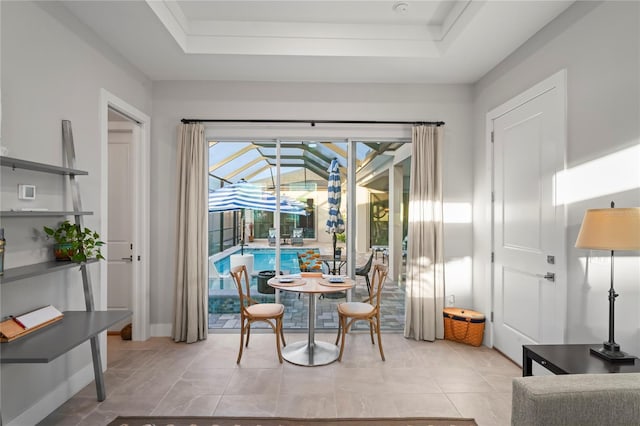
{"x":296,"y":237}
{"x":272,"y":236}
{"x":363,"y":271}
{"x":252,"y":311}
{"x":302,"y":257}
{"x":368,"y":310}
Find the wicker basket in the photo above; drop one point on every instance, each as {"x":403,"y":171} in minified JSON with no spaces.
{"x":463,"y":325}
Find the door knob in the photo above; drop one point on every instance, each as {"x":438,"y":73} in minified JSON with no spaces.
{"x":550,"y":276}
{"x":128,"y":259}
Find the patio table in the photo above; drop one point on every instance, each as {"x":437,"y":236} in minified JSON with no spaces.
{"x":311,"y":353}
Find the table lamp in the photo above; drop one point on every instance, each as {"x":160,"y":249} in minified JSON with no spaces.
{"x":611,"y":229}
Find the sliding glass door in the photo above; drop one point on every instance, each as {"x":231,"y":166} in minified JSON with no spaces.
{"x":291,"y":176}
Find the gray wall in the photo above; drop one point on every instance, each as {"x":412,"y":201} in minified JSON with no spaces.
{"x":175,"y":100}
{"x":52,"y":69}
{"x":598,"y":43}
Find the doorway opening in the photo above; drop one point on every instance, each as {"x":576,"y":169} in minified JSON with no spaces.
{"x":297,"y":170}
{"x":125,"y":186}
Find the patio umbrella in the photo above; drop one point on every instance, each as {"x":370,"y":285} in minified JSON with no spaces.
{"x":335,"y":224}
{"x":244,"y":195}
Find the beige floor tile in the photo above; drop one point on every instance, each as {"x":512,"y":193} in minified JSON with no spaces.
{"x":409,"y":381}
{"x":247,"y":405}
{"x":459,"y":379}
{"x":488,"y":409}
{"x":442,"y":378}
{"x":254,"y":381}
{"x":306,"y":405}
{"x":425,"y":405}
{"x":187,"y":404}
{"x":363,"y":403}
{"x":126,"y":405}
{"x":500,"y":379}
{"x":357,"y":380}
{"x":72,"y":411}
{"x":307,"y":381}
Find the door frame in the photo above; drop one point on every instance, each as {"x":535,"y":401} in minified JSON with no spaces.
{"x":141,"y":231}
{"x":556,"y":81}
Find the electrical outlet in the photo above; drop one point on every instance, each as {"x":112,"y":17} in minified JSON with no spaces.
{"x":451,"y":300}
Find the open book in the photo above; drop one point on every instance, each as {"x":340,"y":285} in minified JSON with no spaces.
{"x":17,"y":326}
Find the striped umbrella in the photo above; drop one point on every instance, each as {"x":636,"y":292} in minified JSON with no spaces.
{"x":335,"y":224}
{"x":244,"y":195}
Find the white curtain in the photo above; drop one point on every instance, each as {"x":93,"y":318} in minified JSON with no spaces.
{"x":424,"y":298}
{"x":190,"y":312}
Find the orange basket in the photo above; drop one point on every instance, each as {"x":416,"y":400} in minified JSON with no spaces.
{"x":463,"y":326}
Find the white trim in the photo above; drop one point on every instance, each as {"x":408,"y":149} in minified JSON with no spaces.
{"x":140,"y":293}
{"x":559,"y":82}
{"x":54,"y":399}
{"x":488,"y":273}
{"x":296,"y":131}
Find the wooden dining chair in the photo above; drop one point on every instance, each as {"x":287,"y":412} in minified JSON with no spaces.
{"x":251,"y":311}
{"x":367,"y":310}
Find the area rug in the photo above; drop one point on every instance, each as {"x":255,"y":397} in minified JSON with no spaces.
{"x":288,"y":421}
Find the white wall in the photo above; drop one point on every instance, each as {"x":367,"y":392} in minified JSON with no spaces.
{"x":598,"y":43}
{"x":52,"y":69}
{"x":175,"y":100}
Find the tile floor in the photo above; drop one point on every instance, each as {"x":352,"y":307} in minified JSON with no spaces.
{"x":161,"y":377}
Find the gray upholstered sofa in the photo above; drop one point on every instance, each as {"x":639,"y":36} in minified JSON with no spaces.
{"x":577,"y":399}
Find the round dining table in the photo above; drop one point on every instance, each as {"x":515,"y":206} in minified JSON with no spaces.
{"x":311,"y":353}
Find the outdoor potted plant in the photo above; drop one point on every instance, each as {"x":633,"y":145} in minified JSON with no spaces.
{"x":343,"y":239}
{"x":74,"y":243}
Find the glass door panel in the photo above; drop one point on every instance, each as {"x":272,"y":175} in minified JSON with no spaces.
{"x":248,"y":231}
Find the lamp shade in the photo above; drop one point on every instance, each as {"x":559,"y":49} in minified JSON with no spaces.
{"x":610,"y":229}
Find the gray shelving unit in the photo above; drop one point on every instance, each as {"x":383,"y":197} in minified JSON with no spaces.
{"x":36,"y":269}
{"x":41,"y":213}
{"x":16,"y":163}
{"x":50,"y":342}
{"x":76,"y":327}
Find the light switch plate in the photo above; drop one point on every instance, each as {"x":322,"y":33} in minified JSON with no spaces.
{"x":26,"y":192}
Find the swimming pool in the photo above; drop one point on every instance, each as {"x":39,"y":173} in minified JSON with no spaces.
{"x":264,"y":259}
{"x":223,"y":295}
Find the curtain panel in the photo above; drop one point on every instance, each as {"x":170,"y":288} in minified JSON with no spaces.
{"x":190,"y":311}
{"x":424,"y":300}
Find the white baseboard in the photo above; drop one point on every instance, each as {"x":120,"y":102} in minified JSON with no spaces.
{"x":50,"y":402}
{"x":161,"y":330}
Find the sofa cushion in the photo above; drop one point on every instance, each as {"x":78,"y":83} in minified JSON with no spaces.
{"x":576,"y":399}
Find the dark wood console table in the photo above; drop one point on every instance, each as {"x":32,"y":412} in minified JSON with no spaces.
{"x":572,"y":359}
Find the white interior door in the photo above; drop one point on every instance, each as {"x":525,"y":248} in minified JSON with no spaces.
{"x":120,"y":237}
{"x":529,"y":243}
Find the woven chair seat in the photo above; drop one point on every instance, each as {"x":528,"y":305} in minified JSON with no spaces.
{"x":265,"y":310}
{"x":355,"y":308}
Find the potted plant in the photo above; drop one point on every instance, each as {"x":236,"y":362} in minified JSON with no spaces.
{"x":343,"y":239}
{"x":74,"y":243}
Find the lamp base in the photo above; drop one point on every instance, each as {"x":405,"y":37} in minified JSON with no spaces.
{"x":613,"y":356}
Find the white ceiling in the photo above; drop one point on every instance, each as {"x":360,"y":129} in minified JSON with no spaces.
{"x":316,"y":41}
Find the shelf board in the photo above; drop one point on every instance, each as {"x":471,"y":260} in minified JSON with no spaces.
{"x":41,"y":213}
{"x":29,"y":271}
{"x":16,"y":163}
{"x":50,"y":342}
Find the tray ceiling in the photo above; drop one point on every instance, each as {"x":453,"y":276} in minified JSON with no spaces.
{"x":316,"y":41}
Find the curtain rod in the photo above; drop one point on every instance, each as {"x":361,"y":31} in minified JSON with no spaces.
{"x":314,"y":122}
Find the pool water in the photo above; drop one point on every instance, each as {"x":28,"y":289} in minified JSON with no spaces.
{"x":265,"y":260}
{"x":223,"y":295}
